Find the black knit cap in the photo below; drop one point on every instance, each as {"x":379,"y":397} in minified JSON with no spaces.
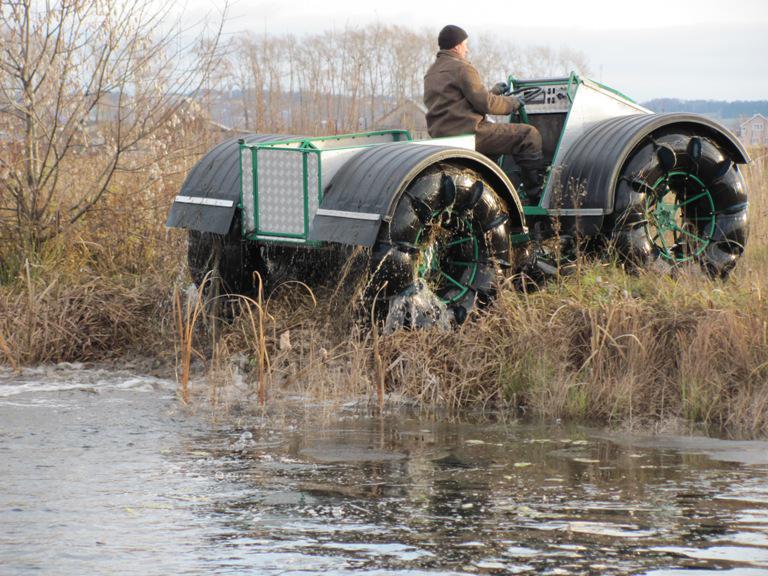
{"x":451,"y":36}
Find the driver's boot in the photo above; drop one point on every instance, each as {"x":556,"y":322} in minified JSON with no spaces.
{"x":531,"y":176}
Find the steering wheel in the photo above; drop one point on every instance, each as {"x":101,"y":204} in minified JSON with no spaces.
{"x":528,"y":92}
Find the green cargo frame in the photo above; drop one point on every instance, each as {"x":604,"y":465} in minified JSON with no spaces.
{"x":306,"y":147}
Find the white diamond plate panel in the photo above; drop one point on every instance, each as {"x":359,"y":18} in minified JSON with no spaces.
{"x":313,"y":184}
{"x":281,"y":191}
{"x":247,"y":188}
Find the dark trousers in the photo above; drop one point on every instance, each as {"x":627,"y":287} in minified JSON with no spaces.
{"x":521,"y":141}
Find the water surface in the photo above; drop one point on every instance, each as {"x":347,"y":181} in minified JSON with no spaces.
{"x":101,"y":472}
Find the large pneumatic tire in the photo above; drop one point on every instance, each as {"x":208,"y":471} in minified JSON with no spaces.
{"x":450,"y":232}
{"x":228,"y":258}
{"x":679,"y":199}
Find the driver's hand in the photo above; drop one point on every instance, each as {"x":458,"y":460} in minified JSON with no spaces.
{"x":500,"y":88}
{"x":517,"y":102}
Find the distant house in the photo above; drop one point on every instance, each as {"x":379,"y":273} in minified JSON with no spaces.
{"x":408,"y":115}
{"x":754,"y":132}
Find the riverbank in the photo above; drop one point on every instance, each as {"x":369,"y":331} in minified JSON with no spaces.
{"x":599,"y":345}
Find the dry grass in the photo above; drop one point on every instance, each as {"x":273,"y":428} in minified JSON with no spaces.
{"x":100,"y":290}
{"x":600,"y":345}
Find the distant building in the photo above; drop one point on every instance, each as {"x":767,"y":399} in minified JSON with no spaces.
{"x":409,"y":115}
{"x":754,"y":132}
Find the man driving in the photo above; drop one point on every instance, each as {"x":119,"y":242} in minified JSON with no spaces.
{"x":457,"y":102}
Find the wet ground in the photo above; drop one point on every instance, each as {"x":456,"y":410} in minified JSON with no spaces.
{"x":101,"y":472}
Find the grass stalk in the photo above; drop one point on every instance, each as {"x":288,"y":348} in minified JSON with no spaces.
{"x":187,"y":315}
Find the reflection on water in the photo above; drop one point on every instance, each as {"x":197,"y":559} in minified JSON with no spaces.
{"x":102,"y":473}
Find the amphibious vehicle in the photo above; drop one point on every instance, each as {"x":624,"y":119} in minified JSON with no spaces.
{"x":435,"y":216}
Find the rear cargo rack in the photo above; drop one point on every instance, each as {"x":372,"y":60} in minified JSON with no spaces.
{"x":283,"y":180}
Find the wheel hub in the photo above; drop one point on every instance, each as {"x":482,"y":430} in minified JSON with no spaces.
{"x":664,"y":216}
{"x":681,"y":216}
{"x":448,"y":248}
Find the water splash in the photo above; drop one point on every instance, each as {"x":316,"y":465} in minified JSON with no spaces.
{"x":417,"y":307}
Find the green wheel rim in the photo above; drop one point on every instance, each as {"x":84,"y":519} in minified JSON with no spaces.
{"x":669,"y":210}
{"x":439,"y":244}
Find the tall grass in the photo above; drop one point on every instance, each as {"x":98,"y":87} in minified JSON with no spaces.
{"x":599,"y":345}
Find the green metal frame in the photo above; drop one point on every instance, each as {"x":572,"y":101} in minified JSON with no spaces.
{"x":433,"y":265}
{"x":260,"y":234}
{"x":574,"y":81}
{"x":309,"y":142}
{"x":306,"y":146}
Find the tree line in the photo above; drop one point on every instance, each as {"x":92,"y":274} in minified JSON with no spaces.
{"x":94,"y":89}
{"x":719,"y":108}
{"x":343,"y":81}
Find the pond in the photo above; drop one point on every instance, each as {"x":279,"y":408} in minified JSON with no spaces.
{"x":102,"y":472}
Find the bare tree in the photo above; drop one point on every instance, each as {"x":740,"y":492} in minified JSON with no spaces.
{"x":343,"y":80}
{"x":85,"y":85}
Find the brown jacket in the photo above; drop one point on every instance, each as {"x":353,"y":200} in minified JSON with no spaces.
{"x":456,"y":99}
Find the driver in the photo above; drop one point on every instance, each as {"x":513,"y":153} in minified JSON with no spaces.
{"x":457,"y":103}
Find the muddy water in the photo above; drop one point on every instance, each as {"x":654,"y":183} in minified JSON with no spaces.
{"x":102,"y":473}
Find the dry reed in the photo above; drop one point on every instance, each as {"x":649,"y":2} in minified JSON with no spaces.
{"x":599,"y":345}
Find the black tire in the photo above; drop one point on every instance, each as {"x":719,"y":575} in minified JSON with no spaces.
{"x":451,"y":230}
{"x":680,"y":199}
{"x":230,"y":259}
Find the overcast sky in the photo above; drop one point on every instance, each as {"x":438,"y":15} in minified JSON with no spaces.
{"x":703,"y":49}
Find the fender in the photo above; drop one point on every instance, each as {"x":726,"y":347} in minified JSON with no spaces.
{"x":363,"y":194}
{"x":592,"y":165}
{"x":211,"y":192}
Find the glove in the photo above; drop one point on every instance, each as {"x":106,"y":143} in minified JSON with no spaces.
{"x":517,"y":102}
{"x":500,"y":88}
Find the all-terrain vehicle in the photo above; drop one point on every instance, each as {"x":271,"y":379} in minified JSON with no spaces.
{"x":655,"y":190}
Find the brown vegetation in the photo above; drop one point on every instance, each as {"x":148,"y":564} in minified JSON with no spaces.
{"x":88,"y":90}
{"x":599,"y":344}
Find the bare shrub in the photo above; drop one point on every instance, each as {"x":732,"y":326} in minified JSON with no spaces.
{"x":86,"y":89}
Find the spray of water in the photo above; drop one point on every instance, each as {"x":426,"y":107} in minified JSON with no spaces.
{"x":417,"y":307}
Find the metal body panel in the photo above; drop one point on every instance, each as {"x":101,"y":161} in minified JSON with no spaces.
{"x":591,"y":104}
{"x":350,"y":215}
{"x":555,"y":97}
{"x":280,"y":192}
{"x":214,"y":219}
{"x":204,"y":201}
{"x":372,"y":182}
{"x":215,"y":176}
{"x":248,"y":201}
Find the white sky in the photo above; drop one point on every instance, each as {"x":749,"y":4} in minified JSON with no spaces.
{"x":692,"y":49}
